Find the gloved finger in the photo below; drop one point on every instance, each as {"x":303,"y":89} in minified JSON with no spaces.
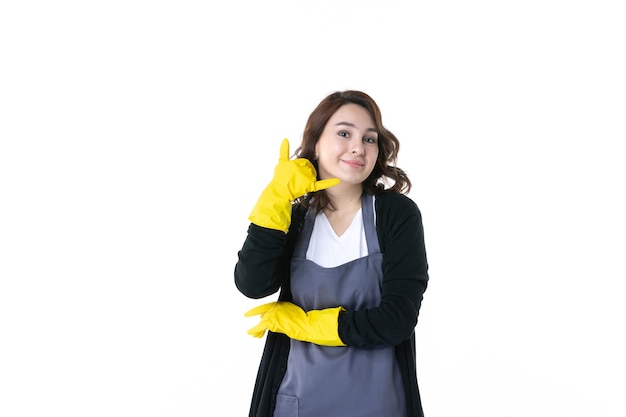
{"x":259,"y":309}
{"x":284,"y":151}
{"x":258,"y":330}
{"x":323,"y":184}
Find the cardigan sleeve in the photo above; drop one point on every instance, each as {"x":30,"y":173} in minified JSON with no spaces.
{"x":257,"y":271}
{"x":405,"y":278}
{"x":263,"y":262}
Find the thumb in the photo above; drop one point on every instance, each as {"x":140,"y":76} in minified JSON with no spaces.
{"x":284,"y":151}
{"x":323,"y":184}
{"x":259,"y":309}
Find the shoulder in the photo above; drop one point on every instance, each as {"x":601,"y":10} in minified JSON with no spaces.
{"x":396,"y":213}
{"x":399,"y":225}
{"x":393,"y":203}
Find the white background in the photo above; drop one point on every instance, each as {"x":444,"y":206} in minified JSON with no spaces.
{"x":137,"y":135}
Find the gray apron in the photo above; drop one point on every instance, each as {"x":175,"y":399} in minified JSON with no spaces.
{"x":333,"y":381}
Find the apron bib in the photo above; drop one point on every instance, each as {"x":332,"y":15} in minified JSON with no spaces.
{"x":332,"y":381}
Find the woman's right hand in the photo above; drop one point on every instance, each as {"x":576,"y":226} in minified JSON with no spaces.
{"x":293,"y":178}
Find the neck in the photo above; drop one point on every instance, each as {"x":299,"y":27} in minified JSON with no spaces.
{"x":345,"y":200}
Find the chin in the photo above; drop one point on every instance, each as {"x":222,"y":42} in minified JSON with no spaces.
{"x":352,"y":180}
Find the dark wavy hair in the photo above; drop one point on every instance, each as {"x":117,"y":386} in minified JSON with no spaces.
{"x":385,"y":177}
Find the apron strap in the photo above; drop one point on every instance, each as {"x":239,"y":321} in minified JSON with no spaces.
{"x":367,"y":212}
{"x":302,"y":243}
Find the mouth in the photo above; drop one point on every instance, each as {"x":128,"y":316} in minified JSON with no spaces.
{"x":353,"y":163}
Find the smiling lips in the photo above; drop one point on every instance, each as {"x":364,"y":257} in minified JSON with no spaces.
{"x":353,"y":163}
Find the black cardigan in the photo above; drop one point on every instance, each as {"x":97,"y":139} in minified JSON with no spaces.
{"x":263,"y":268}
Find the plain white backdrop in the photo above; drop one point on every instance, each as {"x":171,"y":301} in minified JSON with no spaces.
{"x":136,"y":137}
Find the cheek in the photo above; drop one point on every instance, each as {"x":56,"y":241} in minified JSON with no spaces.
{"x":373,"y":154}
{"x":373,"y":158}
{"x":325,"y":147}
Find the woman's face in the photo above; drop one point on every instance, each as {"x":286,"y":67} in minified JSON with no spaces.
{"x":348,"y":146}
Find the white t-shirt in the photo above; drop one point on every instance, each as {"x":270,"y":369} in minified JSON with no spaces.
{"x":329,"y":250}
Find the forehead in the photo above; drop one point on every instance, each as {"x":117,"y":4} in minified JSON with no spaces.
{"x":354,"y":114}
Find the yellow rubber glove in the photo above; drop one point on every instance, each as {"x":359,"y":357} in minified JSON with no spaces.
{"x":315,"y":326}
{"x":292,"y":179}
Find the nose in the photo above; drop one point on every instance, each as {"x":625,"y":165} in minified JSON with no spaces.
{"x":357,"y":147}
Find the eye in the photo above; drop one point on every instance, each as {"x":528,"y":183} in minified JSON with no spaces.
{"x":343,"y":133}
{"x":370,"y":139}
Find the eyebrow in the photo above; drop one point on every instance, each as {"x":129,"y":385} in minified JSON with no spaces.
{"x":369,"y":129}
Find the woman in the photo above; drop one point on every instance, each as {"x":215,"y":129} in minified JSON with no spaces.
{"x":335,"y":232}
